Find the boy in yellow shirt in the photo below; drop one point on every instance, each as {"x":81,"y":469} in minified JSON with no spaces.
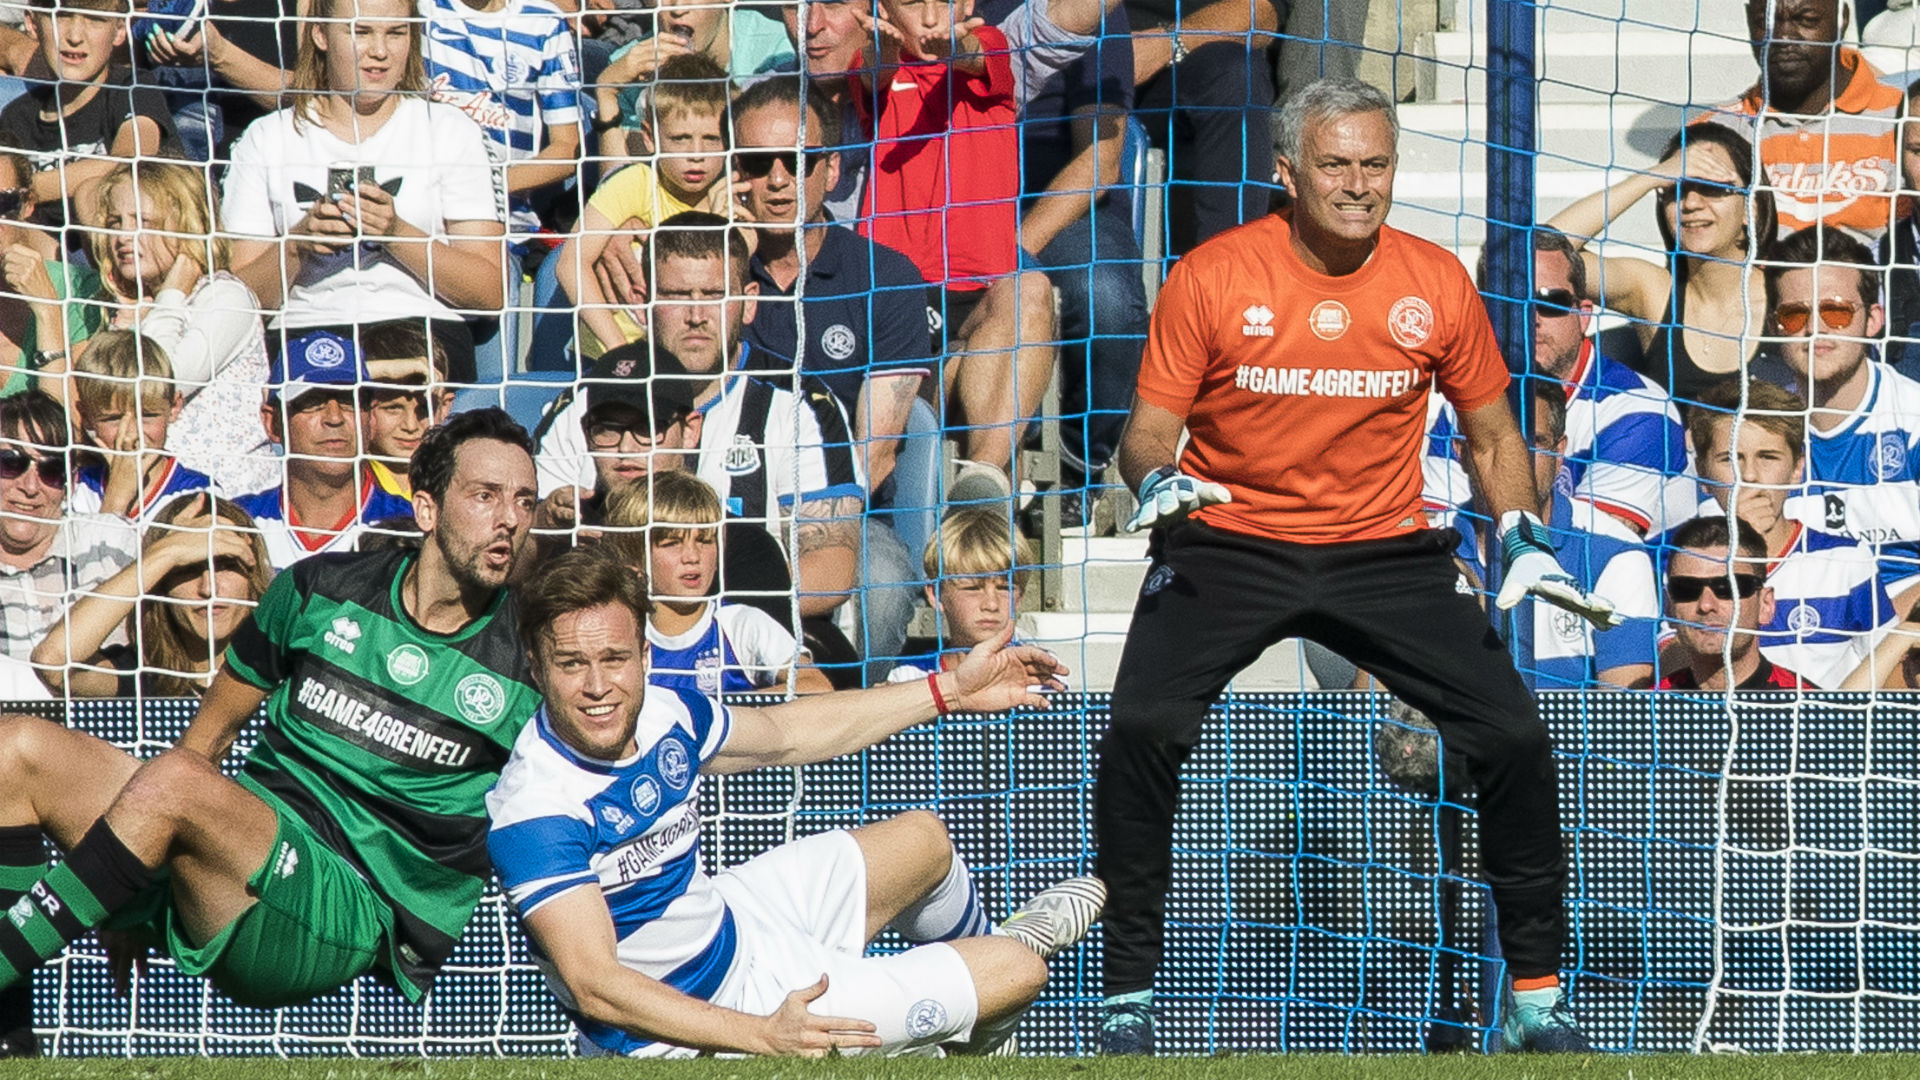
{"x":685,"y":132}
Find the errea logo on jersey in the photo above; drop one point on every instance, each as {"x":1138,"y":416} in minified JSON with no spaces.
{"x":342,"y":634}
{"x":1259,"y":321}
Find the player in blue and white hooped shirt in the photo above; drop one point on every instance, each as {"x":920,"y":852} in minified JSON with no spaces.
{"x":1830,"y":609}
{"x":596,"y":832}
{"x":699,"y":641}
{"x":1606,"y":558}
{"x":510,"y":65}
{"x":1863,"y":430}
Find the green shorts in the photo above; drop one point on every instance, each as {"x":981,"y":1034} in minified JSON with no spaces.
{"x":318,"y":925}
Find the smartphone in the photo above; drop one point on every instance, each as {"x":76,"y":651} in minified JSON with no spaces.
{"x":180,"y":18}
{"x":343,"y":179}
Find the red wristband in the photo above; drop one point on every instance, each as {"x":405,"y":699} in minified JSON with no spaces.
{"x":939,"y":699}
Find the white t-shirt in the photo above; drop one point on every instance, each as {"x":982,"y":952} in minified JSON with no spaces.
{"x":436,"y":155}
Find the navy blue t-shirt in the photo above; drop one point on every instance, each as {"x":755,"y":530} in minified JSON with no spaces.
{"x":866,"y":311}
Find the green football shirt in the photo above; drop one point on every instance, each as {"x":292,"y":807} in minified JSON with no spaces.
{"x":384,"y":737}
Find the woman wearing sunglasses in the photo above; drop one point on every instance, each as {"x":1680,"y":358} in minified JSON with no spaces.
{"x":198,"y":576}
{"x":1700,"y":317}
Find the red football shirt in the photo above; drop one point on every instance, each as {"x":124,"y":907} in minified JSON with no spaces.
{"x":1306,"y":395}
{"x":944,"y":187}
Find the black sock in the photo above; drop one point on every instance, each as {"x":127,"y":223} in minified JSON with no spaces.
{"x":100,"y":876}
{"x":23,"y":861}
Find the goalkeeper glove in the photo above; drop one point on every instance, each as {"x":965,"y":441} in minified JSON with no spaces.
{"x":1167,"y":495}
{"x":1530,"y":567}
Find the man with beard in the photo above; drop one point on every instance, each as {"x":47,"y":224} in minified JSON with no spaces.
{"x":353,"y":840}
{"x":1863,"y":418}
{"x":1827,"y":128}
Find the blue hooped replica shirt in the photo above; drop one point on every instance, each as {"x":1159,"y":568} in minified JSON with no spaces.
{"x":732,"y":649}
{"x":1626,"y":451}
{"x":1611,"y":562}
{"x":1863,"y":477}
{"x":564,"y":821}
{"x":174,"y":479}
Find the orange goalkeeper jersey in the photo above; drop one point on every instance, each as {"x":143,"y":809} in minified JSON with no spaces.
{"x":1306,"y":395}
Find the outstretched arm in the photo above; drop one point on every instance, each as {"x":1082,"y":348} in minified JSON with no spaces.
{"x":993,"y":677}
{"x":576,"y":931}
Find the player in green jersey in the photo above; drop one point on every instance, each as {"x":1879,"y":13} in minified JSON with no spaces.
{"x":354,"y":839}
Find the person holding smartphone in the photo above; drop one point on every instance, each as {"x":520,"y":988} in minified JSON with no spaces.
{"x":421,"y":242}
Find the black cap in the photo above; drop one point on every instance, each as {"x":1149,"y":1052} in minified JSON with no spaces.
{"x":649,"y":380}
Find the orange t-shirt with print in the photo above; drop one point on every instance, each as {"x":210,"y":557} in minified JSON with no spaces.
{"x":1306,"y":395}
{"x":1841,"y":167}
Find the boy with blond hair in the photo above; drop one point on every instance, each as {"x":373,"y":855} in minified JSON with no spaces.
{"x":684,"y":133}
{"x":124,"y":391}
{"x":668,"y":525}
{"x":977,"y":568}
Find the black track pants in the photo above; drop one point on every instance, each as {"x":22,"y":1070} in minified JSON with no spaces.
{"x":1211,"y":603}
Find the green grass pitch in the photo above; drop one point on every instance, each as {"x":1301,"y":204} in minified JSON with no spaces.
{"x":1297,"y":1067}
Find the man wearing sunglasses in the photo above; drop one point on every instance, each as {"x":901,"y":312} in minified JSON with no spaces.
{"x":1717,"y":615}
{"x":1626,"y":453}
{"x":45,"y":557}
{"x":866,"y":304}
{"x":1863,"y":424}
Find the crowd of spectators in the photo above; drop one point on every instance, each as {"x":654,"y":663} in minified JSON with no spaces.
{"x":807,"y":274}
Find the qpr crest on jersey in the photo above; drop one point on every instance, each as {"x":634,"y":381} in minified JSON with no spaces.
{"x":674,"y":766}
{"x":924,"y":1017}
{"x":1890,"y":457}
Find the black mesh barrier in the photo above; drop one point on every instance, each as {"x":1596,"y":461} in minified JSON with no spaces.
{"x":1743,"y":874}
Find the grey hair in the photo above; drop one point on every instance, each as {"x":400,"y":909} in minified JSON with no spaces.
{"x":1326,"y":98}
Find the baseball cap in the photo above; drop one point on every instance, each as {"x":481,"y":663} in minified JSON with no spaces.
{"x":649,"y":380}
{"x":318,"y":360}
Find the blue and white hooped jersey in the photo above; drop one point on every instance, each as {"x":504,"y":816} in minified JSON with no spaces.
{"x":1609,"y":561}
{"x":513,"y":71}
{"x":1626,"y":449}
{"x":1829,"y":608}
{"x":90,"y":485}
{"x":1864,"y":476}
{"x":1445,"y":489}
{"x":563,"y":821}
{"x":734,"y":648}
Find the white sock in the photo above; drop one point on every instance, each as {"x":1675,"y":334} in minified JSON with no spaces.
{"x":952,"y":910}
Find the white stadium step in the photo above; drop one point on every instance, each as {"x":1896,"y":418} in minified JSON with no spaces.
{"x":1090,"y":644}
